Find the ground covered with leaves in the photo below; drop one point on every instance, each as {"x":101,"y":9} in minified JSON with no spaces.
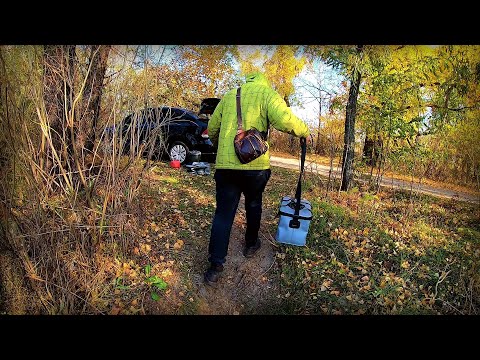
{"x":386,"y":253}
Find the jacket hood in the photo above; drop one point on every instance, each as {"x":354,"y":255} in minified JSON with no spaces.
{"x":258,"y":78}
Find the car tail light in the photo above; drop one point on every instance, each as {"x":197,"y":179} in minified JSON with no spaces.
{"x":205,"y":134}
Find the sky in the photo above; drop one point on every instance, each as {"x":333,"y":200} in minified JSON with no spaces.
{"x":306,"y":88}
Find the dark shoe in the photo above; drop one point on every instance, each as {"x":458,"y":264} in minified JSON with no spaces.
{"x":249,"y":251}
{"x":213,"y":273}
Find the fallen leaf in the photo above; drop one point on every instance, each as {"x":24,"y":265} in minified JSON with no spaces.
{"x":178,"y":245}
{"x":166,"y":273}
{"x":327,"y":283}
{"x":115,"y":311}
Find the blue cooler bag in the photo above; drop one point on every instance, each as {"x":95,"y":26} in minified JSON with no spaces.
{"x":291,"y":229}
{"x":295,"y":214}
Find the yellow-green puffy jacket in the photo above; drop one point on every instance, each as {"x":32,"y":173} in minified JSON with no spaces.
{"x":258,"y":101}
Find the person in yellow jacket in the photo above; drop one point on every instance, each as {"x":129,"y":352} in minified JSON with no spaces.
{"x":259,"y":102}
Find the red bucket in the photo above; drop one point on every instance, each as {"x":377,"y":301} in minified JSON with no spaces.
{"x":175,"y":164}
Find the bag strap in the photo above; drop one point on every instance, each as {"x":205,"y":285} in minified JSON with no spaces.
{"x":298,"y":194}
{"x":239,"y":110}
{"x":268,"y":128}
{"x":239,"y":116}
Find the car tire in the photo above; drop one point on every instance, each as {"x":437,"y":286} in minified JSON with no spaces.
{"x":178,"y":150}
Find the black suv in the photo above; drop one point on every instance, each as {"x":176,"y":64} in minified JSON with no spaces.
{"x":173,"y":129}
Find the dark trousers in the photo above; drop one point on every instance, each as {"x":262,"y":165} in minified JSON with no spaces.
{"x":230,"y":184}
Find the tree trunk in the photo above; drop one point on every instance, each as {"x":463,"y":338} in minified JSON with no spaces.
{"x":93,"y":94}
{"x":371,"y":150}
{"x":58,"y":78}
{"x":291,"y":138}
{"x":317,"y":148}
{"x":349,"y":137}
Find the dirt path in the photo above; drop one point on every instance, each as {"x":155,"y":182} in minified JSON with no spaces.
{"x":387,"y":182}
{"x":245,"y":286}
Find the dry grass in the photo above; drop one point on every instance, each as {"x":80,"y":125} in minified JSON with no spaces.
{"x":388,"y":174}
{"x":66,"y":210}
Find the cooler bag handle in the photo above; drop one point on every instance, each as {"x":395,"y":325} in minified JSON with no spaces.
{"x":294,"y":223}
